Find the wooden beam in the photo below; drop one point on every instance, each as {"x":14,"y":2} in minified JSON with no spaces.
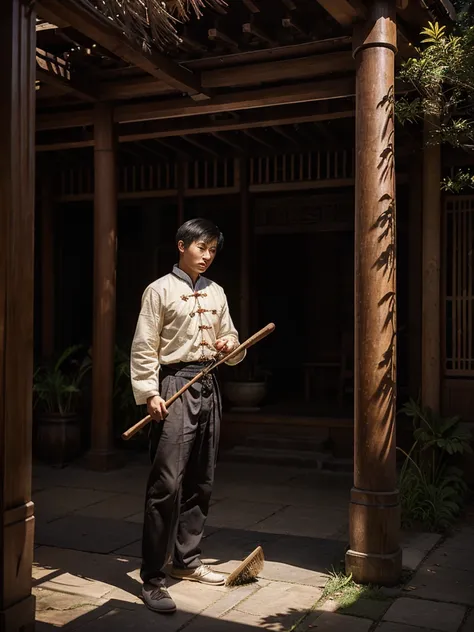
{"x":103,"y":31}
{"x":133,"y":88}
{"x":243,"y":75}
{"x":66,"y":145}
{"x":312,"y":91}
{"x":156,"y":110}
{"x":346,"y":12}
{"x":279,"y":115}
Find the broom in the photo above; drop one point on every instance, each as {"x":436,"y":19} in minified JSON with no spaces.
{"x":219,"y":360}
{"x":248,"y":570}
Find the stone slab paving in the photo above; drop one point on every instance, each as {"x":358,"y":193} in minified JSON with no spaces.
{"x":401,"y":627}
{"x":440,"y":583}
{"x":97,"y":535}
{"x":87,"y":560}
{"x":242,"y":514}
{"x":445,"y":617}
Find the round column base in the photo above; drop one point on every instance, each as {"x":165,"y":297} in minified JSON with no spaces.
{"x":372,"y":568}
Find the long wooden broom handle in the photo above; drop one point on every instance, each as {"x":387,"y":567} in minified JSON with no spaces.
{"x":263,"y":333}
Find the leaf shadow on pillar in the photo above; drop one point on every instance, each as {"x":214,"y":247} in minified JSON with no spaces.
{"x":384,"y":396}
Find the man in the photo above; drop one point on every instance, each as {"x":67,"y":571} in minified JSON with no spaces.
{"x":184,"y":321}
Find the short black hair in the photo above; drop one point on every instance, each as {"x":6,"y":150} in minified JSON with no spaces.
{"x":199,"y":229}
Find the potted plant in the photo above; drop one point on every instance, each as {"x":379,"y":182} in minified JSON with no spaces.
{"x":57,"y":395}
{"x":247,"y":386}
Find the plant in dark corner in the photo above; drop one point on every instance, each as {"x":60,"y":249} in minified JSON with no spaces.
{"x":57,"y":404}
{"x":432,"y":488}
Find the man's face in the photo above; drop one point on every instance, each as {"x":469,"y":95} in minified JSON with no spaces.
{"x":198,"y":256}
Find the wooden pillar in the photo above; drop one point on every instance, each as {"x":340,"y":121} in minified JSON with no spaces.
{"x":374,"y":554}
{"x":47,"y":266}
{"x":102,"y":455}
{"x":414,"y":278}
{"x":241,"y":166}
{"x":17,"y":200}
{"x":431,"y":265}
{"x":182,"y":172}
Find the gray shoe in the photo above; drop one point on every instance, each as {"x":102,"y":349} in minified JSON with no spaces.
{"x":202,"y":574}
{"x":157,"y":598}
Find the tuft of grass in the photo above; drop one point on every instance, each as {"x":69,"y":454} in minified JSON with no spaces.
{"x":343,"y":589}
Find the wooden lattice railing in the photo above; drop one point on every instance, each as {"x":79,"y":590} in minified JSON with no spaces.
{"x":317,"y":169}
{"x":458,"y":282}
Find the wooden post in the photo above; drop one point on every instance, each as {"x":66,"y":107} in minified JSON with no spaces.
{"x":47,"y":266}
{"x":17,"y":207}
{"x":414,"y":279}
{"x":374,"y":554}
{"x":102,"y":455}
{"x":241,"y":166}
{"x":182,"y":172}
{"x":431,"y":265}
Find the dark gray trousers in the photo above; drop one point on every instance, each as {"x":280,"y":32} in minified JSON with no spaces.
{"x":183,"y":451}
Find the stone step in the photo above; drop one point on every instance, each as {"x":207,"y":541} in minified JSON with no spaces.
{"x":279,"y":456}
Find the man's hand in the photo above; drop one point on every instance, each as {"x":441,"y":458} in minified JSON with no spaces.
{"x":156,"y":407}
{"x":223,"y":345}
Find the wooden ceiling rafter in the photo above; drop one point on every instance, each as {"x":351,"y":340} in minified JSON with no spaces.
{"x":176,"y":108}
{"x":345,"y":12}
{"x":289,"y":134}
{"x":175,"y":149}
{"x":290,"y":23}
{"x":299,"y":68}
{"x":278,"y":115}
{"x":257,"y":32}
{"x":151,"y":150}
{"x":215,"y":35}
{"x":257,"y":136}
{"x":230,"y":141}
{"x":105,"y":33}
{"x":200,"y":145}
{"x":251,"y":6}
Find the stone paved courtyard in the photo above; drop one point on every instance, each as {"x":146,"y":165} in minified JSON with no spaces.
{"x":87,"y":557}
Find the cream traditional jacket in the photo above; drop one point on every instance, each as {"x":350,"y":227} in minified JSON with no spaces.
{"x":178,"y":322}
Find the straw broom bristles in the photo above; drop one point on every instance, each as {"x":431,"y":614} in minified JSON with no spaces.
{"x":150,"y":22}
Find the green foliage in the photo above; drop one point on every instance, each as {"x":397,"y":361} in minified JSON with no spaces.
{"x":442,"y":73}
{"x":56,"y":385}
{"x":433,"y":490}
